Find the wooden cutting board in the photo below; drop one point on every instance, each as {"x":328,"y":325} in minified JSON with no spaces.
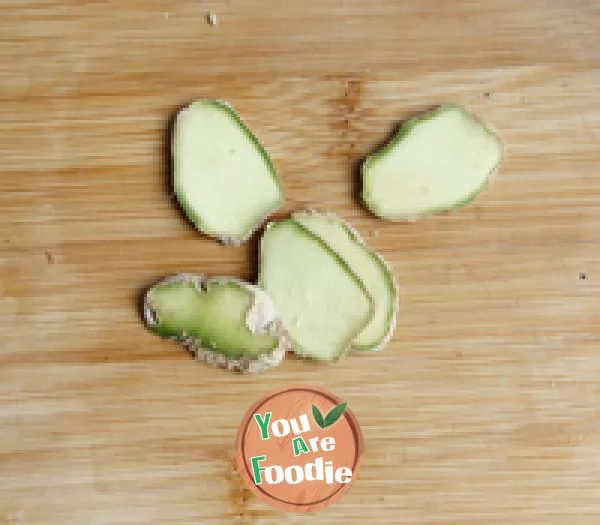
{"x":485,"y":407}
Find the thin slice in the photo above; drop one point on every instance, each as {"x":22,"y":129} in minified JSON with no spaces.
{"x":369,"y":267}
{"x":322,"y":304}
{"x":223,"y":177}
{"x":220,"y":320}
{"x":439,"y":161}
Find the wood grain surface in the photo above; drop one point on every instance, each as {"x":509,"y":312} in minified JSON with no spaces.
{"x":485,"y":407}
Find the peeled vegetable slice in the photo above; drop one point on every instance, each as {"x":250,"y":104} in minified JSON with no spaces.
{"x":223,"y":177}
{"x":368,"y":266}
{"x":321,"y":302}
{"x":439,"y":161}
{"x":220,"y":320}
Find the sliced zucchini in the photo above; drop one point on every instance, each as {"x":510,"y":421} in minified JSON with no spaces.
{"x":439,"y":161}
{"x":322,"y":304}
{"x":220,"y":320}
{"x":223,"y":178}
{"x":368,"y":266}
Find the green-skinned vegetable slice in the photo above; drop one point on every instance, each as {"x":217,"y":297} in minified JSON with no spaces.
{"x":438,"y":161}
{"x":223,"y":178}
{"x":220,"y":320}
{"x":368,"y":266}
{"x":321,"y":303}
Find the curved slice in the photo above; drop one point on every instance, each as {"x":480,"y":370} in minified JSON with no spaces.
{"x":438,"y":161}
{"x":322,"y":304}
{"x":223,"y":177}
{"x":220,"y":320}
{"x":368,"y":266}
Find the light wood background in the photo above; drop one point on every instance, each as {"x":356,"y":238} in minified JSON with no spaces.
{"x":484,"y":409}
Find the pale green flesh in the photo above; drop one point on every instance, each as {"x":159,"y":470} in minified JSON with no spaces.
{"x":223,"y":178}
{"x":437,"y":162}
{"x":367,"y":266}
{"x":216,"y":318}
{"x":321,"y":303}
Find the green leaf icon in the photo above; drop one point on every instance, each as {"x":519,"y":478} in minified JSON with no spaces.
{"x":334,"y":415}
{"x":318,"y":417}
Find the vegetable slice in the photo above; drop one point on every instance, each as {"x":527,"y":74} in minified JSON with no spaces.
{"x":220,"y":320}
{"x":368,"y":266}
{"x":223,"y":178}
{"x":439,"y":161}
{"x":322,"y":304}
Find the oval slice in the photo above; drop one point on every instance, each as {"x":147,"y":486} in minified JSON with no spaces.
{"x":223,"y":178}
{"x":368,"y":266}
{"x":220,"y":320}
{"x":321,"y":302}
{"x":438,"y":161}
